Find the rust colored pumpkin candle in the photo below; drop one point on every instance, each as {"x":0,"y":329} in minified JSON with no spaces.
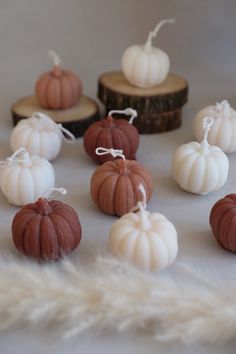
{"x":223,"y":222}
{"x":46,"y":230}
{"x":114,"y":185}
{"x":113,"y":133}
{"x":58,"y":88}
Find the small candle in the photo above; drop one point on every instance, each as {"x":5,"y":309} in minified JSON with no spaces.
{"x":24,"y":177}
{"x":118,"y":134}
{"x":114,"y":185}
{"x":148,"y":240}
{"x":58,"y":88}
{"x":223,"y":130}
{"x":199,"y":167}
{"x":145,"y":65}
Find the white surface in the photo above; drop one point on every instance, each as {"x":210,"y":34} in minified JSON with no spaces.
{"x":90,"y":37}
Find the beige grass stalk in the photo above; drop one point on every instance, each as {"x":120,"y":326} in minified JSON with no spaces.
{"x":112,"y":294}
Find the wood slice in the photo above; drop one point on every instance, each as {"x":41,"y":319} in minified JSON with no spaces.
{"x":115,"y":92}
{"x":76,"y":119}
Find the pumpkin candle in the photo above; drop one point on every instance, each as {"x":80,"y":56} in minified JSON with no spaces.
{"x":58,"y":88}
{"x":40,"y":135}
{"x":113,"y":133}
{"x":199,"y":167}
{"x":47,"y":229}
{"x":223,"y":222}
{"x":145,"y":65}
{"x":24,"y":177}
{"x":114,"y":185}
{"x":148,"y":240}
{"x":223,"y":130}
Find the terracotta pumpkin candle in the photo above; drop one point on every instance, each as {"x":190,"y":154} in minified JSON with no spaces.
{"x":58,"y":88}
{"x":148,"y":240}
{"x":223,"y":130}
{"x":47,"y":229}
{"x":24,"y":178}
{"x":145,"y":65}
{"x":40,"y":135}
{"x":199,"y":167}
{"x":114,"y":185}
{"x":223,"y":222}
{"x":112,"y":133}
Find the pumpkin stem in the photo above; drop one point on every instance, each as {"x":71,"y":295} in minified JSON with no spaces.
{"x":122,"y":167}
{"x":207,"y":123}
{"x":223,"y":109}
{"x":109,"y":121}
{"x":43,"y":206}
{"x":153,"y":33}
{"x":128,"y":111}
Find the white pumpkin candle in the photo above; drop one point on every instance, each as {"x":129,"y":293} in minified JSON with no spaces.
{"x":223,"y":130}
{"x":199,"y":167}
{"x":145,"y":65}
{"x":25,"y":178}
{"x":40,"y":135}
{"x":148,"y":240}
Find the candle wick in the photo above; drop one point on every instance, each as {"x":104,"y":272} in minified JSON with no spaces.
{"x":154,"y":33}
{"x":207,"y":123}
{"x":55,"y":57}
{"x":128,"y":111}
{"x":114,"y":153}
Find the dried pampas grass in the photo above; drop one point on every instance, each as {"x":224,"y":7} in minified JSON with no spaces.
{"x":112,"y":294}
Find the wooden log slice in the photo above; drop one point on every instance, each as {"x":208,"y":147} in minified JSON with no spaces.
{"x":115,"y":92}
{"x":76,"y":119}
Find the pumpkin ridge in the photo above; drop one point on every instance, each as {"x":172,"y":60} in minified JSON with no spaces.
{"x":217,"y":223}
{"x":55,"y":229}
{"x":75,"y":84}
{"x":44,"y":256}
{"x":133,"y":145}
{"x":15,"y":230}
{"x":99,"y":191}
{"x":125,"y":146}
{"x":63,"y":217}
{"x":134,"y":187}
{"x":230,"y":233}
{"x":24,"y":231}
{"x":71,"y":95}
{"x":116,"y":193}
{"x":46,"y":91}
{"x":144,"y":175}
{"x":70,"y":79}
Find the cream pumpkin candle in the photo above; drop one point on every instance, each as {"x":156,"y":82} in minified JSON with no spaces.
{"x":199,"y":167}
{"x":145,"y":65}
{"x":40,"y":135}
{"x":114,"y":185}
{"x":223,"y":130}
{"x":24,"y":178}
{"x":58,"y":88}
{"x":147,"y":240}
{"x":113,"y":133}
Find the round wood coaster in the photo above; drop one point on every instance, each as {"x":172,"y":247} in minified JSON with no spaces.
{"x":76,"y":119}
{"x":158,"y":107}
